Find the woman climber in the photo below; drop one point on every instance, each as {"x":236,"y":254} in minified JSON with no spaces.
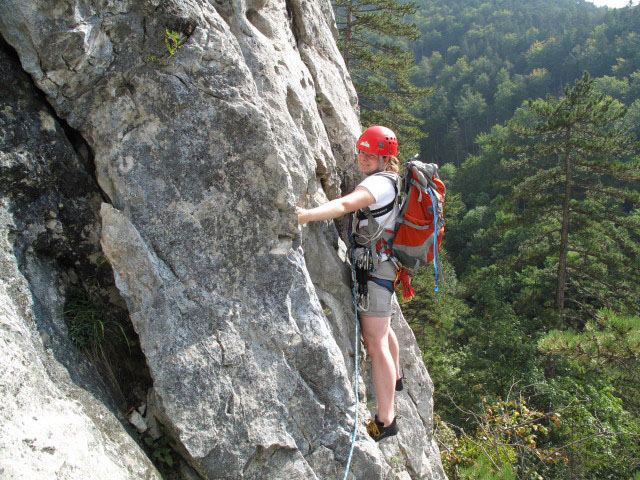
{"x":374,"y":199}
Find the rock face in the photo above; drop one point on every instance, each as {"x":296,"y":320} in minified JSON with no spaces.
{"x":56,"y":420}
{"x":209,"y":121}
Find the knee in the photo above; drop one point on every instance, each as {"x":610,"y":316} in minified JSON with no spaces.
{"x":374,"y":346}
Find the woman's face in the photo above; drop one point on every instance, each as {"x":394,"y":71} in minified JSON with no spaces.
{"x":368,"y":163}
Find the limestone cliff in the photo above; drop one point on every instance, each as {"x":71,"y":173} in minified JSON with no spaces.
{"x":206,"y":123}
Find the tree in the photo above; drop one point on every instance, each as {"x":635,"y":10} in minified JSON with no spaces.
{"x":571,"y":157}
{"x":610,"y":344}
{"x":370,"y":34}
{"x":470,"y":109}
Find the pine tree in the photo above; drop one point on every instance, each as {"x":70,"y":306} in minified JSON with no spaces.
{"x":571,"y":198}
{"x":370,"y":35}
{"x":610,"y":344}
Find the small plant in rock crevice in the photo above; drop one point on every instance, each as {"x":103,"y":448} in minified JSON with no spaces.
{"x":173,"y":41}
{"x":101,"y":332}
{"x":90,"y":328}
{"x":161,"y":450}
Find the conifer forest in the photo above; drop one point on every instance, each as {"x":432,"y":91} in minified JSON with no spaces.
{"x":531,"y":109}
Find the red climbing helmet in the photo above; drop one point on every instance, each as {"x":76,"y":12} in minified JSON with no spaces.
{"x":379,"y":141}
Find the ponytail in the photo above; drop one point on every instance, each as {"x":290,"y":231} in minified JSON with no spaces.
{"x":393,"y":165}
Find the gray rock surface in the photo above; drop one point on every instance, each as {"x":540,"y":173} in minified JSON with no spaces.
{"x":56,"y":419}
{"x":244,"y":319}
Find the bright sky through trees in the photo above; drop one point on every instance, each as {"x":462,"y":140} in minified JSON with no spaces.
{"x":612,"y":3}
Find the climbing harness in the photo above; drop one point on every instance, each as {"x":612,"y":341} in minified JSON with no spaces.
{"x":371,"y":234}
{"x":388,"y":284}
{"x":356,"y":341}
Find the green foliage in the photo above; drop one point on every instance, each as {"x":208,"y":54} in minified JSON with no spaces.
{"x":161,"y":450}
{"x":610,"y":341}
{"x":608,"y":344}
{"x":598,"y":435}
{"x":507,"y":53}
{"x":568,"y":163}
{"x":89,"y":327}
{"x":569,"y":427}
{"x":506,"y":442}
{"x":433,"y":317}
{"x":566,"y":155}
{"x":483,"y":469}
{"x":103,"y":334}
{"x":371,"y":38}
{"x":173,"y":41}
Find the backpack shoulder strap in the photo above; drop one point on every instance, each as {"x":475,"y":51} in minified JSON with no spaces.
{"x":378,"y":212}
{"x":394,"y":177}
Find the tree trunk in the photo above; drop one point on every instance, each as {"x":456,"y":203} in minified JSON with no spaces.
{"x":564,"y":236}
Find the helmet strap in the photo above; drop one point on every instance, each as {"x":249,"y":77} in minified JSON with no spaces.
{"x":380,"y":164}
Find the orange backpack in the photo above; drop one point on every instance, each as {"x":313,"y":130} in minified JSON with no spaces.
{"x":420,"y":225}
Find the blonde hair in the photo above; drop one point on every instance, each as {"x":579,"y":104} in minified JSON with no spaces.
{"x":393,"y":165}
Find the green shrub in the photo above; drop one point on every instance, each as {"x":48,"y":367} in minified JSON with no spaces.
{"x":90,"y":327}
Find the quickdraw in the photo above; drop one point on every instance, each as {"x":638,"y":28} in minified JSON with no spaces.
{"x":363,"y":265}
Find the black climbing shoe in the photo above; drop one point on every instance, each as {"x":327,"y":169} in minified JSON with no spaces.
{"x":378,"y":431}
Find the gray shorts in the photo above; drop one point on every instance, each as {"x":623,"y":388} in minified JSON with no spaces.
{"x":380,"y":298}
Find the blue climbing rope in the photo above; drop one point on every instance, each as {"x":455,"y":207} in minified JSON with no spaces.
{"x":356,"y":342}
{"x":436,"y":229}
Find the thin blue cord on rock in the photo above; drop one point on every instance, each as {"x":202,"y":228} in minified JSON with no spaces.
{"x":356,"y":342}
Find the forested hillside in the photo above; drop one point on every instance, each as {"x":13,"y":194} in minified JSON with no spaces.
{"x":533,"y":341}
{"x":485,"y":57}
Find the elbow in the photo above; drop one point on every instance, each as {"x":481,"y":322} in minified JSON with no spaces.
{"x":345,"y":208}
{"x":348,"y":207}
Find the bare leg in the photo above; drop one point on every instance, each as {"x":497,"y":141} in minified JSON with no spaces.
{"x":395,"y":351}
{"x":375,"y":331}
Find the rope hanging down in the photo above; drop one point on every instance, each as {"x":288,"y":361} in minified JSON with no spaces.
{"x":356,"y":342}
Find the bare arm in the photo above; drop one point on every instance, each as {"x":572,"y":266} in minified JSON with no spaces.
{"x":359,"y":198}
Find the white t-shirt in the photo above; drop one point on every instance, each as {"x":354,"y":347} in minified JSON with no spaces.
{"x":383,"y":190}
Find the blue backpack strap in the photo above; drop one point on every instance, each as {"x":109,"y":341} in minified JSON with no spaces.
{"x":436,"y":230}
{"x":388,"y":284}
